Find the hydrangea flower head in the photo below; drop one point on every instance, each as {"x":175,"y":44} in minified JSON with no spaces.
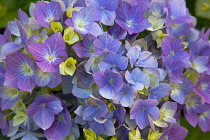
{"x":20,"y":72}
{"x":105,"y":10}
{"x":85,"y":48}
{"x":174,"y":132}
{"x":137,"y":78}
{"x":50,"y":54}
{"x":131,"y":18}
{"x":202,"y":88}
{"x":83,"y":21}
{"x":106,"y":43}
{"x":193,"y":106}
{"x":109,"y":82}
{"x":43,"y":110}
{"x":159,"y":91}
{"x":113,"y":61}
{"x":126,"y":96}
{"x":167,"y":111}
{"x":172,"y":51}
{"x":143,"y":111}
{"x":45,"y":13}
{"x":179,"y":90}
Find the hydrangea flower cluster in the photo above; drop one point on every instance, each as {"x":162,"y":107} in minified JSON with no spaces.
{"x":104,"y":69}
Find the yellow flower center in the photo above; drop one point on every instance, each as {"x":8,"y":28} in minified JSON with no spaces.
{"x":50,"y":57}
{"x":26,"y":69}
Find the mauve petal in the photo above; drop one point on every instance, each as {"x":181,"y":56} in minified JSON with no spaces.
{"x":109,"y":128}
{"x":55,"y":80}
{"x":108,"y":17}
{"x":105,"y":42}
{"x":55,"y":42}
{"x":175,"y":132}
{"x":10,"y":79}
{"x":53,"y":9}
{"x":47,"y":67}
{"x":41,"y":19}
{"x":116,"y":32}
{"x":100,"y":78}
{"x":142,"y":119}
{"x":166,"y":48}
{"x":33,"y":108}
{"x":81,"y":93}
{"x":127,"y":100}
{"x":177,"y":96}
{"x":9,"y":48}
{"x":119,"y":113}
{"x":60,"y":127}
{"x":26,"y":83}
{"x":154,"y":112}
{"x":41,"y":78}
{"x":97,"y":128}
{"x":95,"y":29}
{"x":89,"y":113}
{"x":38,"y":50}
{"x":107,"y":92}
{"x":6,"y":104}
{"x":104,"y":65}
{"x":204,"y":124}
{"x":191,"y":117}
{"x":54,"y":106}
{"x":43,"y":118}
{"x":23,"y":17}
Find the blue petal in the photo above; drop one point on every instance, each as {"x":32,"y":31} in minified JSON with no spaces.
{"x":81,"y":93}
{"x":142,"y":119}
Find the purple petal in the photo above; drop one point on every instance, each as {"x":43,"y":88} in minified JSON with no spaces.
{"x":33,"y":108}
{"x":119,"y":113}
{"x":191,"y":117}
{"x":23,"y":34}
{"x":55,"y":80}
{"x":116,"y":32}
{"x":89,"y":113}
{"x":53,"y":9}
{"x":55,"y":42}
{"x":141,"y":119}
{"x":108,"y":18}
{"x":38,"y":50}
{"x":105,"y":42}
{"x":85,"y":48}
{"x":9,"y":48}
{"x":6,"y":104}
{"x":95,"y":29}
{"x":154,"y":112}
{"x":13,"y":28}
{"x":100,"y":78}
{"x":23,"y":17}
{"x":26,"y":83}
{"x":60,"y":127}
{"x":107,"y":92}
{"x":174,"y":132}
{"x":97,"y":128}
{"x":43,"y":118}
{"x":81,"y":93}
{"x":109,"y":128}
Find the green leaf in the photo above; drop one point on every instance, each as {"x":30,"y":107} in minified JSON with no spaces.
{"x":194,"y":133}
{"x":202,"y":8}
{"x":114,"y":138}
{"x":90,"y":135}
{"x":154,"y":135}
{"x":19,"y":118}
{"x":135,"y":134}
{"x":44,"y":90}
{"x":111,"y":107}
